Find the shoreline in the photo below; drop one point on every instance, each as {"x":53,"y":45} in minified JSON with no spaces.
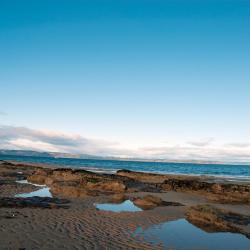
{"x":206,"y":177}
{"x":70,"y":219}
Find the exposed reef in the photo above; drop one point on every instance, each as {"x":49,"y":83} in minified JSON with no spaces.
{"x":209,"y":188}
{"x":212,"y":219}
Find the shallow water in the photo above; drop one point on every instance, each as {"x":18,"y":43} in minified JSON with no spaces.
{"x":43,"y":192}
{"x":182,"y":235}
{"x":126,"y":206}
{"x":26,"y":182}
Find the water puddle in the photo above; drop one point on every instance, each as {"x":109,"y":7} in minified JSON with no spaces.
{"x":126,"y":206}
{"x":26,"y":182}
{"x":43,"y":192}
{"x":182,"y":235}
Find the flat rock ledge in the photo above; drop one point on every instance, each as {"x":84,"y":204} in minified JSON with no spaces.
{"x":211,"y":219}
{"x":217,"y":192}
{"x":149,"y":202}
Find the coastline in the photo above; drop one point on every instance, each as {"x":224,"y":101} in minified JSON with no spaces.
{"x":240,"y":179}
{"x":79,"y":225}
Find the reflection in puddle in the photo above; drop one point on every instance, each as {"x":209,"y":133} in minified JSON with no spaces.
{"x":126,"y":206}
{"x":43,"y":192}
{"x":26,"y":182}
{"x":182,"y":235}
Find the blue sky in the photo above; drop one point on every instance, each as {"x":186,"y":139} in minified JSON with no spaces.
{"x":151,"y":78}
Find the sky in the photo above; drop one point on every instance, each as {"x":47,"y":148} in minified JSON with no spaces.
{"x":154,"y":79}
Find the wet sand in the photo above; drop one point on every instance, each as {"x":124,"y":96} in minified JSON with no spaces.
{"x":82,"y":226}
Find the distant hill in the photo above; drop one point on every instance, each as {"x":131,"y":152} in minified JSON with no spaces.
{"x":46,"y":154}
{"x":95,"y":157}
{"x":24,"y":153}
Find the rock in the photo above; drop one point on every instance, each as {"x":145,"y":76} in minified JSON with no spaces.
{"x":212,"y":219}
{"x":150,"y":202}
{"x":226,"y":193}
{"x":70,"y":191}
{"x":125,"y":180}
{"x":142,"y":177}
{"x":216,"y":188}
{"x":37,"y":179}
{"x":110,"y":186}
{"x":40,"y":176}
{"x":118,"y":198}
{"x":49,"y":181}
{"x":45,"y":172}
{"x":77,"y":183}
{"x":66,"y":175}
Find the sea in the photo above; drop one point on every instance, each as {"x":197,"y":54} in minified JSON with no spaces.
{"x":229,"y":172}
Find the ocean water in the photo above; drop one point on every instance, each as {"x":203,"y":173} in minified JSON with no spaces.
{"x":230,"y":172}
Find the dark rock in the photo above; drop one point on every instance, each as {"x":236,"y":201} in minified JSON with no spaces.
{"x":212,"y":219}
{"x":34,"y":202}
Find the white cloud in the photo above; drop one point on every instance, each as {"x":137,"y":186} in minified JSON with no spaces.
{"x":34,"y":145}
{"x":186,"y":153}
{"x":201,"y":143}
{"x":238,"y":145}
{"x":25,"y":138}
{"x":42,"y":140}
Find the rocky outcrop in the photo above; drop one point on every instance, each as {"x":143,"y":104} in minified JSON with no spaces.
{"x":194,"y":184}
{"x":86,"y":182}
{"x":37,"y":179}
{"x":225,"y":193}
{"x":68,"y":190}
{"x":77,"y":183}
{"x":107,"y":186}
{"x":118,"y":198}
{"x":10,"y":171}
{"x":39,"y":176}
{"x":142,"y":177}
{"x":217,"y":192}
{"x":150,"y":202}
{"x":212,"y":219}
{"x":11,"y":188}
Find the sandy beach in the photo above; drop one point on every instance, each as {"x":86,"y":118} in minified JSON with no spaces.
{"x":70,"y":219}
